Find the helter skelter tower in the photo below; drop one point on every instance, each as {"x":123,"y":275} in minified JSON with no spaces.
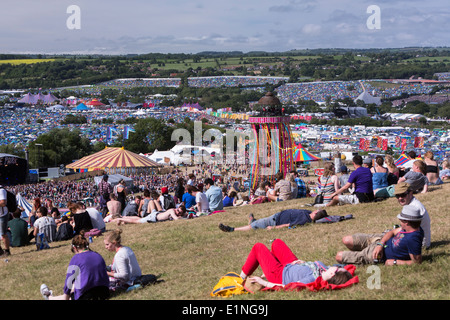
{"x":272,"y":148}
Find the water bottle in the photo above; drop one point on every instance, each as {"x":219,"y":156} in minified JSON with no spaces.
{"x":90,"y":239}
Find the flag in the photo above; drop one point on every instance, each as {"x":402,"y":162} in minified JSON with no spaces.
{"x":385,"y":144}
{"x":126,"y":132}
{"x":110,"y":133}
{"x":379,"y":142}
{"x":367,"y":145}
{"x":362,"y":143}
{"x":403,"y":144}
{"x":421,"y":142}
{"x":397,"y":141}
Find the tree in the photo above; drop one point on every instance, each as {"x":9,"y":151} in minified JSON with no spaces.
{"x":58,"y":146}
{"x":150,"y":134}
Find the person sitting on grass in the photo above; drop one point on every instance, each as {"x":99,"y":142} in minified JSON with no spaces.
{"x":361,"y":179}
{"x":281,"y":267}
{"x":19,"y":230}
{"x":125,"y":267}
{"x":402,"y":245}
{"x":416,"y":177}
{"x":286,"y":218}
{"x":282,"y":189}
{"x":86,"y":277}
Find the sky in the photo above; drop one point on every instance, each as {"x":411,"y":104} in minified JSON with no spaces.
{"x":182,"y":26}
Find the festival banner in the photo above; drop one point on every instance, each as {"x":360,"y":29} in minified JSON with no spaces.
{"x":362,"y":143}
{"x":126,"y":132}
{"x":367,"y":145}
{"x":385,"y":144}
{"x":403,"y":144}
{"x":379,"y":142}
{"x":397,"y":141}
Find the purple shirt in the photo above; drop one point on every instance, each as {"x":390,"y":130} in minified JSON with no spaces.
{"x":362,"y":178}
{"x":86,"y":270}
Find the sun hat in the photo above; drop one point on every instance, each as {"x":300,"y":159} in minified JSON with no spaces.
{"x":402,"y":188}
{"x":410,"y":213}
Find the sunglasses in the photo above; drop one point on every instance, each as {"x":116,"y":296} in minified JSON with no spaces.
{"x":403,"y":195}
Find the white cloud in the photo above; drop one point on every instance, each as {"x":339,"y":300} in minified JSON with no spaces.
{"x":140,"y":26}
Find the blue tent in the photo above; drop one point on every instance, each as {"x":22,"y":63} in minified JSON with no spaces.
{"x":81,"y":106}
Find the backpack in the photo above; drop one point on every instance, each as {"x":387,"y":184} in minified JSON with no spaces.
{"x":11,"y":201}
{"x":228,"y":285}
{"x":65,"y":232}
{"x":332,"y":219}
{"x":169,"y":202}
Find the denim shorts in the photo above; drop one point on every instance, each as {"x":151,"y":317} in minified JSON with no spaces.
{"x":265,"y":222}
{"x":4,"y":225}
{"x":151,"y":217}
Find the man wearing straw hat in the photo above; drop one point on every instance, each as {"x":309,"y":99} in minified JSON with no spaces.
{"x":405,"y":196}
{"x":402,"y":245}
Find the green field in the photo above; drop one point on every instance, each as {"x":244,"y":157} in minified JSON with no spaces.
{"x":193,"y":254}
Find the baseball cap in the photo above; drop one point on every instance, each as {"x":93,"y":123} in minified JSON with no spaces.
{"x":164,"y":190}
{"x":401,"y":188}
{"x":410,"y":213}
{"x":368,"y":160}
{"x":344,"y":169}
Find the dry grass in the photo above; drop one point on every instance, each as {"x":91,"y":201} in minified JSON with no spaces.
{"x":193,"y":254}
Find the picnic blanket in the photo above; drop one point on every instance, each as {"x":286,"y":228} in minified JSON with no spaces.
{"x":319,"y":283}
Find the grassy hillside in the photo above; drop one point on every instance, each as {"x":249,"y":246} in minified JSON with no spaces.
{"x":193,"y":254}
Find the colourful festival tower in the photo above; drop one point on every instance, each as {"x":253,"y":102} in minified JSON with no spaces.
{"x":272,"y":150}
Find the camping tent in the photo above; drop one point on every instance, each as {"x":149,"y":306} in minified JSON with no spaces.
{"x":49,"y":98}
{"x":95,"y":103}
{"x":113,"y":160}
{"x":29,"y":98}
{"x":82,"y":107}
{"x":161,"y":156}
{"x":55,"y":107}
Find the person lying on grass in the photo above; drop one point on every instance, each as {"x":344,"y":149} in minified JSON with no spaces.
{"x":281,"y":267}
{"x":154,"y":216}
{"x":282,"y":219}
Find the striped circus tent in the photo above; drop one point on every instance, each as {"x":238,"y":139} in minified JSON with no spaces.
{"x":300,"y":154}
{"x":113,"y":160}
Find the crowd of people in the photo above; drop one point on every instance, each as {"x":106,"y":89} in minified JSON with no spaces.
{"x":182,"y":195}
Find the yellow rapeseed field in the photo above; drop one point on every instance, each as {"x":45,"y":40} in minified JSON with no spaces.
{"x":25,"y":61}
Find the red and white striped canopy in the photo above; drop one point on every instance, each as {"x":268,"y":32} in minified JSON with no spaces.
{"x":113,"y":158}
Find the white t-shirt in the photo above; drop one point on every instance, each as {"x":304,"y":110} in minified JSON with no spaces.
{"x":201,"y":198}
{"x":47,"y":226}
{"x":96,"y":218}
{"x":3,"y":196}
{"x":425,"y":223}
